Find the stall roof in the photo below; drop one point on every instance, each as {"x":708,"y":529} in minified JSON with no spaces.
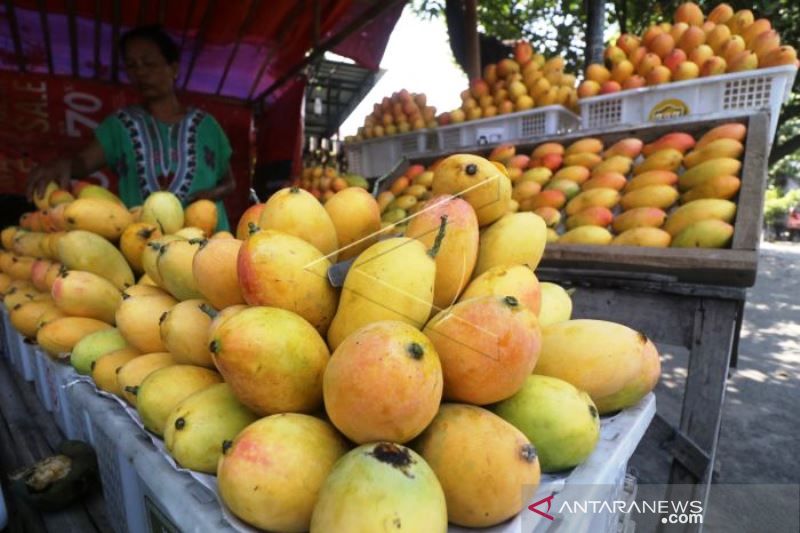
{"x":340,"y":86}
{"x":244,"y":49}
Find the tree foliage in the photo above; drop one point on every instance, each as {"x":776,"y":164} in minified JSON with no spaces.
{"x":558,"y":27}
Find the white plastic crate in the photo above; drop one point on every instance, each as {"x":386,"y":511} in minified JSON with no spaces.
{"x":26,"y":358}
{"x":58,"y":376}
{"x":375,"y":157}
{"x":754,"y":90}
{"x":40,"y":381}
{"x":525,"y":125}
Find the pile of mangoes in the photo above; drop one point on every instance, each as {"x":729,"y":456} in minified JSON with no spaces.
{"x":325,"y":181}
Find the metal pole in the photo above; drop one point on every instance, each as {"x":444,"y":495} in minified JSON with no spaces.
{"x":471,"y":38}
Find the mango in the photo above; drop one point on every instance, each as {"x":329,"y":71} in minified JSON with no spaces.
{"x":39,"y":270}
{"x":59,"y":336}
{"x":24,"y":317}
{"x":607,"y":198}
{"x":7,"y":236}
{"x":578,"y":174}
{"x":485,"y":186}
{"x":589,"y":144}
{"x":265,"y":476}
{"x":85,"y":294}
{"x":548,"y":198}
{"x":698,"y":210}
{"x":540,"y":175}
{"x":144,"y":290}
{"x":568,"y":187}
{"x":272,"y":358}
{"x":783,"y":55}
{"x":586,"y":160}
{"x":765,"y":43}
{"x":723,"y":166}
{"x":97,"y":192}
{"x":384,"y":382}
{"x":174,"y":265}
{"x":391,"y":280}
{"x":137,"y":319}
{"x":654,"y":177}
{"x":682,"y":142}
{"x":296,"y":212}
{"x":552,"y":235}
{"x":50,"y":314}
{"x":105,"y":218}
{"x":199,"y":425}
{"x":630,"y":147}
{"x":222,"y":316}
{"x":150,"y":256}
{"x":188,"y":233}
{"x":586,"y":235}
{"x":666,"y":159}
{"x":518,"y":281}
{"x":660,"y":196}
{"x":730,"y":148}
{"x":145,"y":280}
{"x":616,"y":365}
{"x":376,"y":485}
{"x":488,"y":469}
{"x":515,"y":239}
{"x":202,"y":214}
{"x":214,"y":268}
{"x":163,"y":209}
{"x":556,"y":304}
{"x":644,"y":236}
{"x":28,"y":245}
{"x":720,"y":14}
{"x":356,"y":217}
{"x":616,"y":163}
{"x":560,"y":421}
{"x":550,"y":215}
{"x":477,"y":367}
{"x":95,"y":345}
{"x":458,"y":251}
{"x":281,"y":270}
{"x":251,"y":216}
{"x":607,"y":180}
{"x":163,"y":389}
{"x":82,"y":250}
{"x":41,"y":201}
{"x":5,"y":282}
{"x":547,"y":148}
{"x":719,"y":187}
{"x":132,"y":373}
{"x":732,"y":130}
{"x":639,"y":217}
{"x":184,"y":332}
{"x":106,"y":367}
{"x":708,"y":233}
{"x":591,"y":216}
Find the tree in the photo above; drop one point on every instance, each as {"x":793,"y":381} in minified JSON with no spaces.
{"x":559,"y":27}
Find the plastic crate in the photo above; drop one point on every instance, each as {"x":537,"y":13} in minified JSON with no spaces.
{"x":5,"y":338}
{"x":753,"y":90}
{"x":375,"y":157}
{"x":40,"y":382}
{"x":525,"y":125}
{"x":58,"y":378}
{"x":26,"y":358}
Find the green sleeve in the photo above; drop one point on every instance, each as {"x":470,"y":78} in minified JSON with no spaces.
{"x":223,"y":147}
{"x":110,"y":133}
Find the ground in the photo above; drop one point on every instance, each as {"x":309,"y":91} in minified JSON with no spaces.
{"x":760,"y":430}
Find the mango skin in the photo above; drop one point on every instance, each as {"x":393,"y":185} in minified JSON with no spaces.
{"x":59,"y":336}
{"x":82,"y":250}
{"x":715,"y":149}
{"x":163,"y":209}
{"x":654,"y":177}
{"x":616,"y":365}
{"x":722,"y":166}
{"x":174,"y":265}
{"x":487,"y":346}
{"x":132,"y":373}
{"x":197,"y":427}
{"x":709,"y":233}
{"x":698,"y":210}
{"x":184,"y":332}
{"x":586,"y":235}
{"x":150,"y":256}
{"x":560,"y":420}
{"x":660,"y":196}
{"x":391,"y":280}
{"x":106,"y":367}
{"x":384,"y":382}
{"x":664,"y":159}
{"x":272,"y":474}
{"x":639,"y":217}
{"x":107,"y":219}
{"x":484,"y":185}
{"x":137,"y":318}
{"x":518,"y":281}
{"x":93,"y":346}
{"x":201,"y":214}
{"x":515,"y":239}
{"x":86,"y":294}
{"x":644,"y":236}
{"x":133,"y":241}
{"x":165,"y":388}
{"x":601,"y":197}
{"x":556,"y":304}
{"x":272,"y":358}
{"x":591,"y":216}
{"x":719,"y":187}
{"x":25,"y":316}
{"x":357,"y":219}
{"x":732,"y":130}
{"x":487,"y":468}
{"x":607,"y":180}
{"x":615,"y":163}
{"x":297,"y":212}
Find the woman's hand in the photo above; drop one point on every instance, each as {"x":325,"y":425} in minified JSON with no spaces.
{"x":58,"y":171}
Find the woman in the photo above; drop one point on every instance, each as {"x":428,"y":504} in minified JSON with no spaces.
{"x":158,"y":145}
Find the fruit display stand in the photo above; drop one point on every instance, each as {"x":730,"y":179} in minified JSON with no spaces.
{"x":751,"y":91}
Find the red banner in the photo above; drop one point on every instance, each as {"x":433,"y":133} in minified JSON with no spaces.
{"x":45,"y":117}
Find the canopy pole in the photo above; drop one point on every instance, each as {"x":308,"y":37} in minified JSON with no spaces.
{"x":595,"y":16}
{"x":198,"y":40}
{"x":12,"y":23}
{"x":46,"y":34}
{"x":473,"y":45}
{"x":73,"y":37}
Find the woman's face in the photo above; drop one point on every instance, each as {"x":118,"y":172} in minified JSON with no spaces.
{"x":148,"y":70}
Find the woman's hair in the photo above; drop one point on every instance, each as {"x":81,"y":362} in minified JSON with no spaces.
{"x":156,"y":35}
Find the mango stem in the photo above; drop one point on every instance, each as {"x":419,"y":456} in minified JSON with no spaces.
{"x":439,"y":238}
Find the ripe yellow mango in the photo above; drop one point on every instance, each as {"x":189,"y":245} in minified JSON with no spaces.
{"x":280,"y":270}
{"x":732,"y":130}
{"x":589,"y":144}
{"x":480,"y":182}
{"x":644,"y":236}
{"x":105,"y":218}
{"x":95,"y":345}
{"x":106,"y":367}
{"x":714,"y":150}
{"x":214,"y":271}
{"x":639,"y":217}
{"x":132,"y":373}
{"x":666,"y":159}
{"x":190,"y":233}
{"x":577,"y":174}
{"x":99,"y":193}
{"x":518,"y":281}
{"x":607,"y":198}
{"x":25,"y":316}
{"x":391,"y":280}
{"x":556,"y":304}
{"x":184,"y":332}
{"x":722,"y":166}
{"x":202,"y":214}
{"x":150,"y":256}
{"x":660,"y":196}
{"x":357,"y":218}
{"x":137,"y":319}
{"x":607,"y":180}
{"x":515,"y":239}
{"x":709,"y":233}
{"x":586,"y":235}
{"x":584,"y":159}
{"x":719,"y":187}
{"x":79,"y":293}
{"x":591,"y":216}
{"x":692,"y":212}
{"x":82,"y":250}
{"x":654,"y":177}
{"x":163,"y":209}
{"x":28,"y":244}
{"x":617,"y":163}
{"x":174,"y":265}
{"x":297,"y":212}
{"x":60,"y":335}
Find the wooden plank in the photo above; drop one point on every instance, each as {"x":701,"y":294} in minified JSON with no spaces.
{"x":750,"y":211}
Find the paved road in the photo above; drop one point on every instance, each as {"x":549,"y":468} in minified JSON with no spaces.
{"x":760,"y":435}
